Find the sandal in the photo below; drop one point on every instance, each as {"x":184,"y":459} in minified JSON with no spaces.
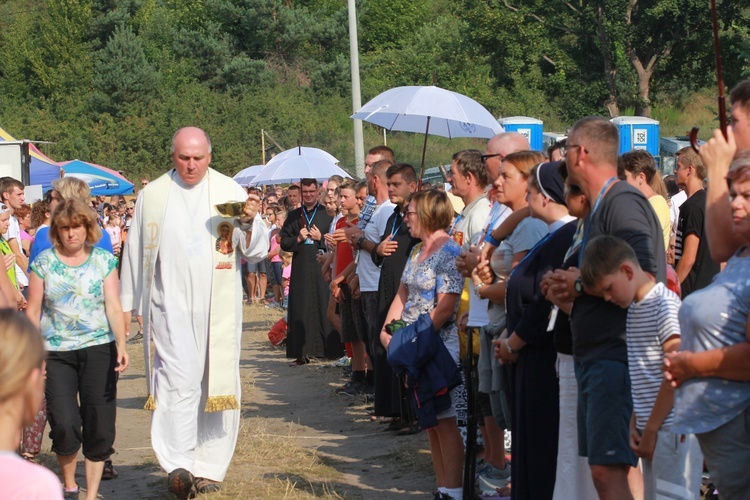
{"x":299,"y":362}
{"x":181,"y":484}
{"x":29,"y":457}
{"x":70,"y":494}
{"x":205,"y":486}
{"x":109,"y":471}
{"x":409,"y":430}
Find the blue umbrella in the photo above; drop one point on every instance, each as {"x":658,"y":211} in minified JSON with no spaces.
{"x":101,"y":180}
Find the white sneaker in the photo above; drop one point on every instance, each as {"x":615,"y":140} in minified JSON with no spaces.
{"x":343,"y":361}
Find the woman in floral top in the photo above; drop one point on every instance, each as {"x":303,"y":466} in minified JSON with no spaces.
{"x":431,"y":284}
{"x":74,"y":298}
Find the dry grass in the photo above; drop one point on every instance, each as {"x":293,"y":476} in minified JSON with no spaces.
{"x":278,"y":467}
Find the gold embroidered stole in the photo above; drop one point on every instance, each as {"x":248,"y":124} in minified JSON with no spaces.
{"x":223,"y":355}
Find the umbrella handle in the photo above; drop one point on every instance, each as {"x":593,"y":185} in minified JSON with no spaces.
{"x":424,"y":151}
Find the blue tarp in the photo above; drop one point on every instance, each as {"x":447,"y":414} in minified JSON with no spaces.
{"x":43,"y":173}
{"x":101,"y":180}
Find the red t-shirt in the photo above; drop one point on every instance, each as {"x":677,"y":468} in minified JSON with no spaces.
{"x":344,"y":252}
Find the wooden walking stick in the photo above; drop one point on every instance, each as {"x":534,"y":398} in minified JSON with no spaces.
{"x":720,"y":81}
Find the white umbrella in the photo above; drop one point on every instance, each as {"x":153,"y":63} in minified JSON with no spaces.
{"x":304,"y":151}
{"x":295,"y":168}
{"x":246,"y":175}
{"x":431,"y":110}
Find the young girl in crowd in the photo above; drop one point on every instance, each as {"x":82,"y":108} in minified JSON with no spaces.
{"x":275,"y":258}
{"x":21,"y":391}
{"x":115,"y":234}
{"x":286,"y":273}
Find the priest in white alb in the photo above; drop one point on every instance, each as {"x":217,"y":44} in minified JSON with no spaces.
{"x":181,"y":272}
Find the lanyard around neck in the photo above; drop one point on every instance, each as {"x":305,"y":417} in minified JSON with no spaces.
{"x":310,"y":219}
{"x":590,"y":218}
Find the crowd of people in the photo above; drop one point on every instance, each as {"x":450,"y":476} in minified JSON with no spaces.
{"x":564,"y":275}
{"x":577,"y":300}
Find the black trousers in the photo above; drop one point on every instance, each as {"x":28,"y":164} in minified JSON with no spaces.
{"x":87,"y":375}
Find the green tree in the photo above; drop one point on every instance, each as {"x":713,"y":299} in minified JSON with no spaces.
{"x":123,"y":77}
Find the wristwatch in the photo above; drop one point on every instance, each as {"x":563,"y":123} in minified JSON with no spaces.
{"x":578,"y":286}
{"x":360,"y":241}
{"x":478,"y":287}
{"x":510,"y":349}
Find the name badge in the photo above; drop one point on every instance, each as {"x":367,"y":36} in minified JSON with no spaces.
{"x":309,"y":241}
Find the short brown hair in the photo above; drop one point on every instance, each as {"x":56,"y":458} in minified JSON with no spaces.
{"x":348,"y":184}
{"x":408,"y":174}
{"x":74,"y":212}
{"x":433,"y":208}
{"x":739,"y":174}
{"x":603,"y":256}
{"x":599,"y":136}
{"x":469,"y":161}
{"x":741,"y":94}
{"x":379,"y":169}
{"x":690,"y":157}
{"x":384,"y":151}
{"x":524,"y":161}
{"x":7,"y":184}
{"x":39,"y":213}
{"x":308,"y":182}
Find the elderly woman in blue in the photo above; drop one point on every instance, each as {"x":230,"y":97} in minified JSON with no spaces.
{"x":74,"y":299}
{"x":712,"y":372}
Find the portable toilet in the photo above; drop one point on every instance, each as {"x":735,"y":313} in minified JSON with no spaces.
{"x":531,"y":128}
{"x":638,"y":132}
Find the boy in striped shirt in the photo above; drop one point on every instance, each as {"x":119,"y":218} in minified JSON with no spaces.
{"x":671,"y":465}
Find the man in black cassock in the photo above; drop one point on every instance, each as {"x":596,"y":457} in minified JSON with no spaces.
{"x":391,"y":254}
{"x":309,"y":332}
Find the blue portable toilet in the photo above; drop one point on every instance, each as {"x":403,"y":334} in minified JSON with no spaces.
{"x":638,"y":132}
{"x":531,"y":128}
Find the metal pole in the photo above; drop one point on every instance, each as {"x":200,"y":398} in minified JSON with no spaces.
{"x":262,"y":148}
{"x":359,"y":147}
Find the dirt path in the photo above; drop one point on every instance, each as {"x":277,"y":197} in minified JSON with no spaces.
{"x":297,"y":440}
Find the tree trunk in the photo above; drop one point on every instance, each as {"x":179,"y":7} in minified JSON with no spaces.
{"x":609,"y":71}
{"x":643,"y":105}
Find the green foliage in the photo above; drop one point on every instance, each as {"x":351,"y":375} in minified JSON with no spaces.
{"x":110,"y":81}
{"x":123,"y":78}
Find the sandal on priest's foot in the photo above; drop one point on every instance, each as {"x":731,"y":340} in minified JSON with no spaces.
{"x":205,"y":486}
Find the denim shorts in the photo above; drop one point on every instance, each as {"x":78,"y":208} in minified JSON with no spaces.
{"x":604,"y":409}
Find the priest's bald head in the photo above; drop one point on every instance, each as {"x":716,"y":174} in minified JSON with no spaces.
{"x":191,"y":154}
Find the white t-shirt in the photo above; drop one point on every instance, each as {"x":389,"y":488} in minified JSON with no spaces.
{"x":14,"y":231}
{"x":368,"y":272}
{"x":469,"y":229}
{"x":674,"y":208}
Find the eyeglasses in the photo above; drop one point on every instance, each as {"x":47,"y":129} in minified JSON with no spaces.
{"x":409,"y":214}
{"x":485,"y":157}
{"x":564,"y":149}
{"x":144,"y":183}
{"x":130,"y":208}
